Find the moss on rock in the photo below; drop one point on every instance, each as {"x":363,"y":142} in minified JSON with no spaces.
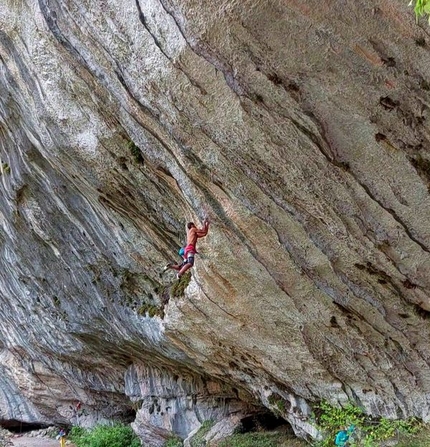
{"x":151,"y":310}
{"x":135,"y":151}
{"x":178,"y":289}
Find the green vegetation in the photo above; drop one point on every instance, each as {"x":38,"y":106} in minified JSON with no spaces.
{"x":420,"y":439}
{"x":151,"y":310}
{"x":135,"y":151}
{"x":421,"y":8}
{"x":118,"y":435}
{"x":368,"y":432}
{"x":198,"y":439}
{"x":5,"y":168}
{"x":278,"y":403}
{"x":133,"y":285}
{"x":261,"y":439}
{"x":174,"y":441}
{"x":178,"y":289}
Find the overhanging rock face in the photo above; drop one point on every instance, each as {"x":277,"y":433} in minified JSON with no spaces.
{"x":299,"y":128}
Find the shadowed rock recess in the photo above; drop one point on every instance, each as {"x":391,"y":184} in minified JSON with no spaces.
{"x":299,"y":128}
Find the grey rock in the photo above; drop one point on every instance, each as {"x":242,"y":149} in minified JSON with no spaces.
{"x":5,"y":438}
{"x":222,"y":429}
{"x":301,"y":132}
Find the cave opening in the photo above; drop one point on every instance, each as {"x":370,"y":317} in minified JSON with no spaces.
{"x":16,"y":426}
{"x":264,"y":421}
{"x":129,"y":416}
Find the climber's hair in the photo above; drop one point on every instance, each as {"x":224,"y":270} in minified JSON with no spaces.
{"x":190,"y":224}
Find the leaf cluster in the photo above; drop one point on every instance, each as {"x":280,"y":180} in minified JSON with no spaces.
{"x":178,"y":289}
{"x":253,"y":439}
{"x":174,"y":441}
{"x":368,"y":431}
{"x":421,"y":8}
{"x":198,"y":439}
{"x":118,"y":435}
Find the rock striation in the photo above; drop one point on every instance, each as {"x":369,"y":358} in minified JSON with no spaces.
{"x":299,"y":128}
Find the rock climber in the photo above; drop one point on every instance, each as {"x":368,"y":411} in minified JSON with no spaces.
{"x":193,"y":233}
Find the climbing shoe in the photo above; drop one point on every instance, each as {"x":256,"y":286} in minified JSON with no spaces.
{"x":167,"y":266}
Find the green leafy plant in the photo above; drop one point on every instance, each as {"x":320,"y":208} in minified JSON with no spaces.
{"x":174,"y":441}
{"x":421,"y":8}
{"x":198,"y":439}
{"x":278,"y":404}
{"x":419,"y":439}
{"x":5,"y":168}
{"x":368,"y":431}
{"x":178,"y":289}
{"x":151,"y":310}
{"x":118,"y":435}
{"x":259,"y":439}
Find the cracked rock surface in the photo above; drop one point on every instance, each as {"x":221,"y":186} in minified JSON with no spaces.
{"x":299,"y":128}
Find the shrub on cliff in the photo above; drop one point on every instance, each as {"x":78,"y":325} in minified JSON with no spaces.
{"x":174,"y":441}
{"x":367,"y":431}
{"x":421,"y":7}
{"x":118,"y":435}
{"x":198,"y":440}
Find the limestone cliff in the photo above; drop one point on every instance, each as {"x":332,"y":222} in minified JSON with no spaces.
{"x":299,"y":128}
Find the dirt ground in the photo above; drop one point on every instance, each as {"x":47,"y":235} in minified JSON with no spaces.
{"x":23,"y":441}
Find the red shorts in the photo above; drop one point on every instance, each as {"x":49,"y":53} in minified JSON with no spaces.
{"x":189,"y":250}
